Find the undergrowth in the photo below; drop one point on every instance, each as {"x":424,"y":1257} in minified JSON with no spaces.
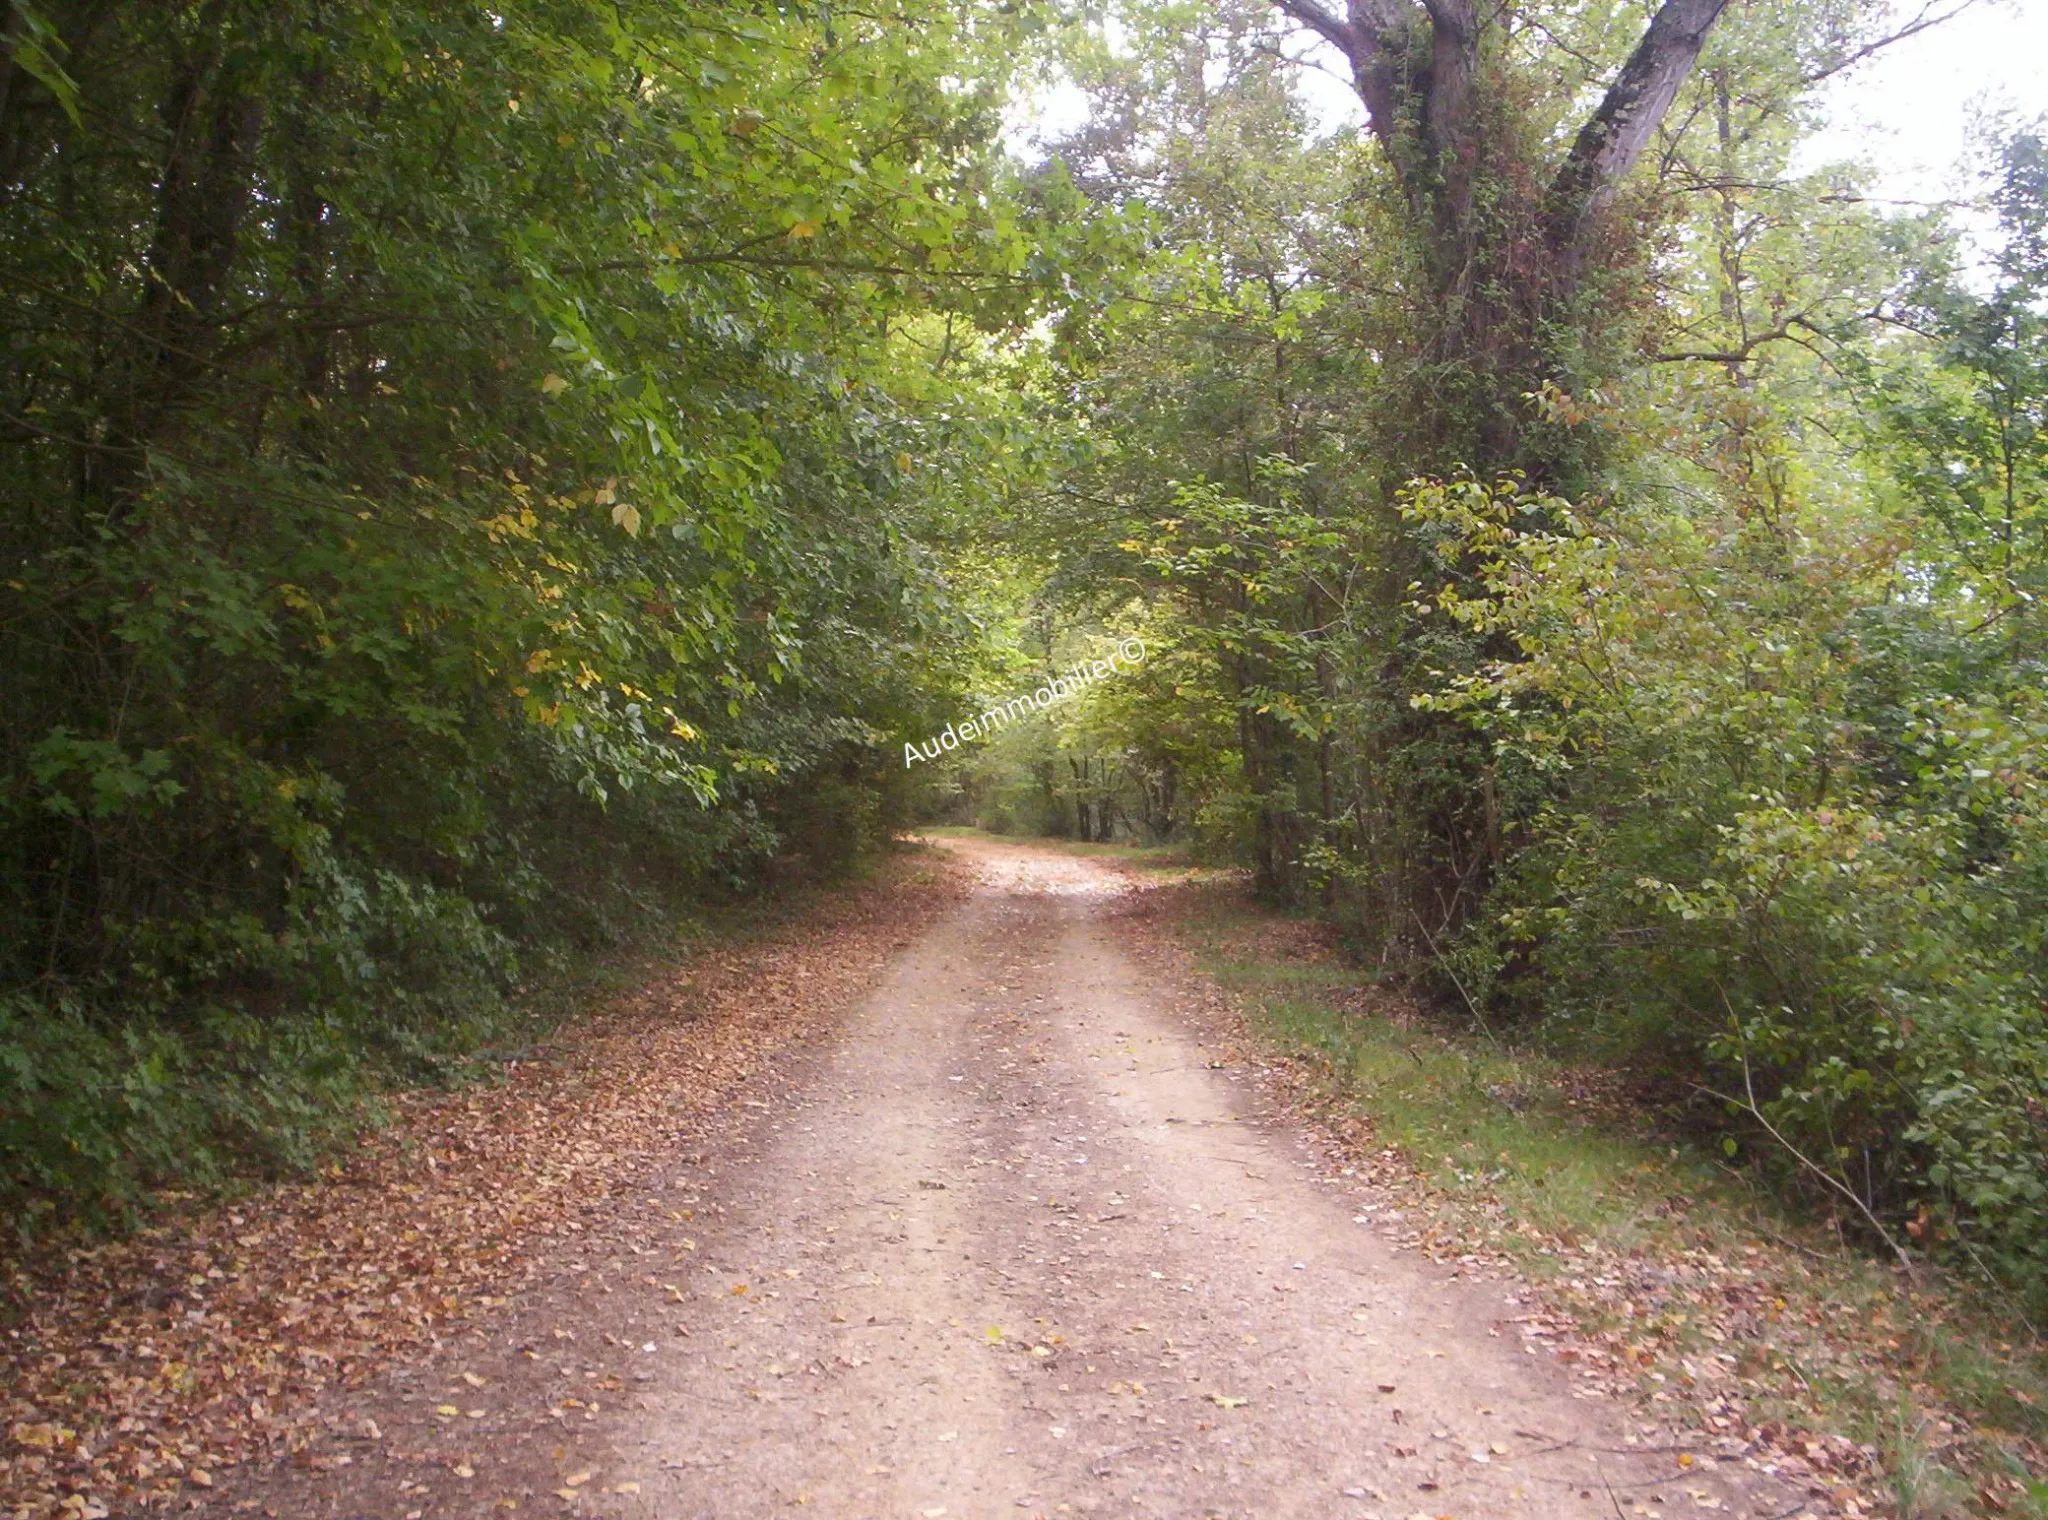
{"x":1563,"y":1171}
{"x":103,"y":1120}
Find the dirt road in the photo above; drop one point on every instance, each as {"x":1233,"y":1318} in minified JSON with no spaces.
{"x":1015,"y":1242}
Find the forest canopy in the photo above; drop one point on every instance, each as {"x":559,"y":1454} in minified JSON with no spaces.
{"x":471,"y":477}
{"x":478,"y":480}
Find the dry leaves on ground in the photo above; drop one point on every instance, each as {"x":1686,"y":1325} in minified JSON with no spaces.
{"x":137,"y":1369}
{"x":1730,"y":1341}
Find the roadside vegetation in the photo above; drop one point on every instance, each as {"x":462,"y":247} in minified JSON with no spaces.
{"x":1636,"y":643}
{"x":1667,"y":1270}
{"x":470,"y":491}
{"x":144,"y":1372}
{"x":480,"y":485}
{"x":1684,"y":1279}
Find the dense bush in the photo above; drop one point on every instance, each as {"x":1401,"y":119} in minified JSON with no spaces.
{"x":1758,"y":869}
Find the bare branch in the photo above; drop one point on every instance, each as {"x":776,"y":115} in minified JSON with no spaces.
{"x":1913,"y":28}
{"x":1593,"y":66}
{"x":1748,"y":1104}
{"x":1332,"y":30}
{"x":1361,"y":35}
{"x":1299,"y":60}
{"x":1746,"y":350}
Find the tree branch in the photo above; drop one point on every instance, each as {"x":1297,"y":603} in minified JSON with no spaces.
{"x":1786,"y":331}
{"x":1361,"y":35}
{"x":1333,"y":31}
{"x":1616,"y":134}
{"x":1748,"y":1104}
{"x":1913,"y":28}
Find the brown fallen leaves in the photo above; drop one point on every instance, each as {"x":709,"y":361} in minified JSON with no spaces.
{"x":1727,"y":1335}
{"x":137,"y":1369}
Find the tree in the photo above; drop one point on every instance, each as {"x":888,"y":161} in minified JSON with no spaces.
{"x":1503,"y":251}
{"x":1525,"y":265}
{"x":1419,"y":66}
{"x":465,"y":475}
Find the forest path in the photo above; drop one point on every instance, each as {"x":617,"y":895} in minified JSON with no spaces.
{"x":1016,"y":1242}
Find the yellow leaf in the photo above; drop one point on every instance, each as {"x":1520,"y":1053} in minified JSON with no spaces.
{"x":464,"y":1470}
{"x":804,"y":229}
{"x":553,"y":385}
{"x":578,"y":1479}
{"x":446,"y":1409}
{"x":995,"y":1335}
{"x":627,"y":516}
{"x":626,"y":1488}
{"x":470,"y":1377}
{"x":1225,"y":1401}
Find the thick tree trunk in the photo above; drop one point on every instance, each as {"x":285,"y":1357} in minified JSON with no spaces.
{"x":1434,"y":104}
{"x":1506,"y":266}
{"x":212,"y":125}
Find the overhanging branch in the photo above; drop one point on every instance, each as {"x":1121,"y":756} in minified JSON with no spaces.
{"x":1930,"y":15}
{"x":1362,"y":35}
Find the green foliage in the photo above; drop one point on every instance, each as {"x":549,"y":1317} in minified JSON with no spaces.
{"x":468,"y":485}
{"x":1765,"y":858}
{"x":1647,"y":652}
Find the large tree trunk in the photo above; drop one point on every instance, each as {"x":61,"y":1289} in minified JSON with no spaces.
{"x":1416,"y":67}
{"x":1505,"y":266}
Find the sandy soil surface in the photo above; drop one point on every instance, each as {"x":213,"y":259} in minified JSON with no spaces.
{"x":1015,"y":1241}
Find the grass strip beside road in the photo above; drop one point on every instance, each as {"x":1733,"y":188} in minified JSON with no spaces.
{"x":1670,"y":1274}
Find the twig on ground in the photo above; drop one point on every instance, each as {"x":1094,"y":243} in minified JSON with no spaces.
{"x":1752,"y":1108}
{"x":1477,"y":1017}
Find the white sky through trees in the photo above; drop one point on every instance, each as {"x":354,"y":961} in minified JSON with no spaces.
{"x":1906,"y":112}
